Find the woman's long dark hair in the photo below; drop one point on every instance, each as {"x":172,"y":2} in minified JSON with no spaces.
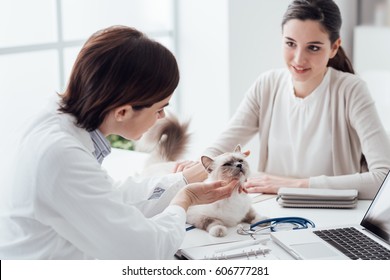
{"x":327,"y":13}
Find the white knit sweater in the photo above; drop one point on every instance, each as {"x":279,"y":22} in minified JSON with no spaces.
{"x":352,"y":121}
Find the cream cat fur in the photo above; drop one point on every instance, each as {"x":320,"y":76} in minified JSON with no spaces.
{"x":166,"y":142}
{"x":229,"y":212}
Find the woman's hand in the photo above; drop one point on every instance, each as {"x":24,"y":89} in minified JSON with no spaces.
{"x":203,"y":193}
{"x":183,"y":165}
{"x":264,"y":183}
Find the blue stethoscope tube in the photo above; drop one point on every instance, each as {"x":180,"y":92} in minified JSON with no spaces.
{"x":299,"y":222}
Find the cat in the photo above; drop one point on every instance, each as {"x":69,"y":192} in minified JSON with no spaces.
{"x":216,"y":217}
{"x":166,"y":142}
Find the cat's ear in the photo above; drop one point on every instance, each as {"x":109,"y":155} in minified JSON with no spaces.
{"x":237,"y":149}
{"x":207,"y":162}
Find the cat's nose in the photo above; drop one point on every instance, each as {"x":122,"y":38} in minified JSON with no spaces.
{"x":239,"y":165}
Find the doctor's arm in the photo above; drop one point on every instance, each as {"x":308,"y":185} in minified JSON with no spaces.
{"x":79,"y":202}
{"x":152,"y":195}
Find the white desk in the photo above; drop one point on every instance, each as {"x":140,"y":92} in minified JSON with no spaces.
{"x":124,"y":163}
{"x":270,"y":208}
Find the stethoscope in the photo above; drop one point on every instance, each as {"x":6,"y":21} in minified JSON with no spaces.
{"x":275,"y":224}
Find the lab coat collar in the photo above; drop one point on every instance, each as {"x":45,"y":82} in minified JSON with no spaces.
{"x":81,"y":133}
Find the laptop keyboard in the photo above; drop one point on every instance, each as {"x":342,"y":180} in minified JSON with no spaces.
{"x":354,"y":244}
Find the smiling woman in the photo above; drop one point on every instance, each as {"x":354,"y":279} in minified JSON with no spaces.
{"x":314,"y":109}
{"x":307,"y":54}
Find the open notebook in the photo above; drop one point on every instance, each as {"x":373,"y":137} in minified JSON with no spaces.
{"x":371,"y":239}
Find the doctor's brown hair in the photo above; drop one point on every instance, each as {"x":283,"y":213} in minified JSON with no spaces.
{"x":118,"y":66}
{"x":327,"y":13}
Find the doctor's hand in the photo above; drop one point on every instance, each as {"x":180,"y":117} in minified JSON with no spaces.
{"x":182,"y":165}
{"x":203,"y":193}
{"x":265,"y":183}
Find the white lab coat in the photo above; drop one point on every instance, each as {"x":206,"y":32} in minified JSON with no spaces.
{"x":56,"y":202}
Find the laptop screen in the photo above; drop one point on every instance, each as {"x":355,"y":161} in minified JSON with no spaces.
{"x":377,"y":218}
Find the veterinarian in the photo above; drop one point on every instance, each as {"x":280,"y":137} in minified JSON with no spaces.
{"x":316,"y":121}
{"x":56,"y":201}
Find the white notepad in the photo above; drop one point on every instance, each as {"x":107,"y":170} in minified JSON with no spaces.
{"x":317,"y":198}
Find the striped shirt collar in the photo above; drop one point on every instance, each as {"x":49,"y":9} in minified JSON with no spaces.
{"x":101,"y":144}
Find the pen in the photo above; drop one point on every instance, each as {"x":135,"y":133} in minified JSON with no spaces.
{"x":242,"y":244}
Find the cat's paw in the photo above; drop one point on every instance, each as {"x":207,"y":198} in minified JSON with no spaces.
{"x":218,"y":231}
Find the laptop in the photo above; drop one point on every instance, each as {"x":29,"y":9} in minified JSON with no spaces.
{"x":336,"y":243}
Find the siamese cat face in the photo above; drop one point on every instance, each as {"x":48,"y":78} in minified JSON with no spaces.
{"x":216,"y":217}
{"x":227,"y":166}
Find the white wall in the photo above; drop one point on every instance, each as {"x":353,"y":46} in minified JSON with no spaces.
{"x":203,"y":60}
{"x":255,"y":36}
{"x":223,"y":46}
{"x":373,"y":65}
{"x":349,"y":14}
